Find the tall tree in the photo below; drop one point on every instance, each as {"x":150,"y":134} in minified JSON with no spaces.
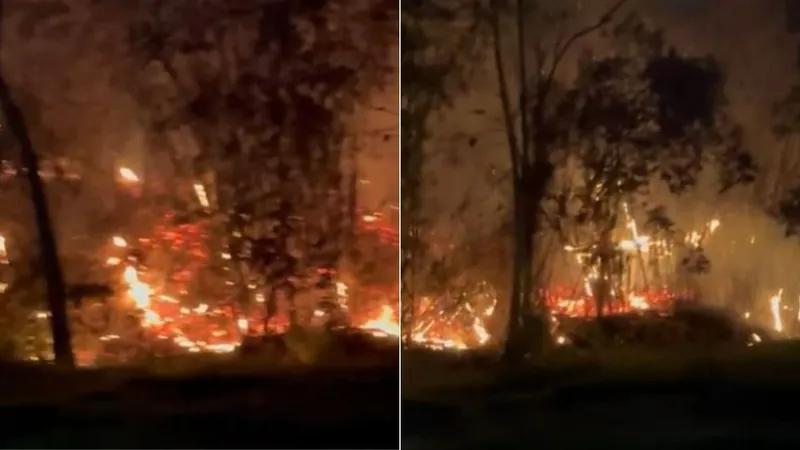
{"x":642,"y":116}
{"x":56,"y":290}
{"x":527,"y":78}
{"x":434,"y":65}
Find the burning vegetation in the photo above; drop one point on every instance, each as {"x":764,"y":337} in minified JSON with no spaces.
{"x":237,"y":215}
{"x":165,"y":297}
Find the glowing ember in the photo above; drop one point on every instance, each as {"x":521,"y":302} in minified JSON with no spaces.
{"x":119,"y":241}
{"x":128,"y":175}
{"x":243,"y":324}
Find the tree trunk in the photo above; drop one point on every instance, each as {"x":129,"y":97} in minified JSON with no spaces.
{"x":56,"y":291}
{"x":527,"y":326}
{"x":521,"y":275}
{"x":604,"y":282}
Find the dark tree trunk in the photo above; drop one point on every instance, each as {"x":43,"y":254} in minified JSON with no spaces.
{"x":56,"y":291}
{"x":521,"y":274}
{"x":527,"y":325}
{"x":603,"y":288}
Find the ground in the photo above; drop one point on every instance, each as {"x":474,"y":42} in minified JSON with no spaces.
{"x":621,"y":400}
{"x":224,"y":405}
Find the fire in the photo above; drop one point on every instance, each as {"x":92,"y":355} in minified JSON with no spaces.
{"x":202,"y":196}
{"x":384,"y":324}
{"x":138,"y":292}
{"x":462,"y":326}
{"x":156,"y":274}
{"x":163,"y":315}
{"x":638,"y":302}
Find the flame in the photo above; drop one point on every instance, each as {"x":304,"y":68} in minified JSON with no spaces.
{"x":139,"y":292}
{"x":152,"y":317}
{"x":638,"y":302}
{"x":162,"y":310}
{"x":202,"y":196}
{"x":775,"y":308}
{"x":384,"y":324}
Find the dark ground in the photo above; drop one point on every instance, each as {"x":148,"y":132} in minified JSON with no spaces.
{"x":286,"y":408}
{"x":747,"y":400}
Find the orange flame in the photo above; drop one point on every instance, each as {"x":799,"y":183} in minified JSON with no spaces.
{"x":384,"y":324}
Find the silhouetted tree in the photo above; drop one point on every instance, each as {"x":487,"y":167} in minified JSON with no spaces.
{"x":527,"y":77}
{"x":56,"y":289}
{"x":630,"y":121}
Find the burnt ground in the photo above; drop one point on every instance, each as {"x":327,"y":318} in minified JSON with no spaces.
{"x":744,"y":400}
{"x":355,"y":407}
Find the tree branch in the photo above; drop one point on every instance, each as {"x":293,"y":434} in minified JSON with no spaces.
{"x":561,"y":52}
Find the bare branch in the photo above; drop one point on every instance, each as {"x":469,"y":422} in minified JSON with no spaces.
{"x":562,"y":51}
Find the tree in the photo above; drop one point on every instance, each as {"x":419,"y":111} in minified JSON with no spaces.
{"x":786,"y":127}
{"x":56,"y":290}
{"x":644,"y":115}
{"x":433,"y":68}
{"x":531,"y":137}
{"x":254,"y":102}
